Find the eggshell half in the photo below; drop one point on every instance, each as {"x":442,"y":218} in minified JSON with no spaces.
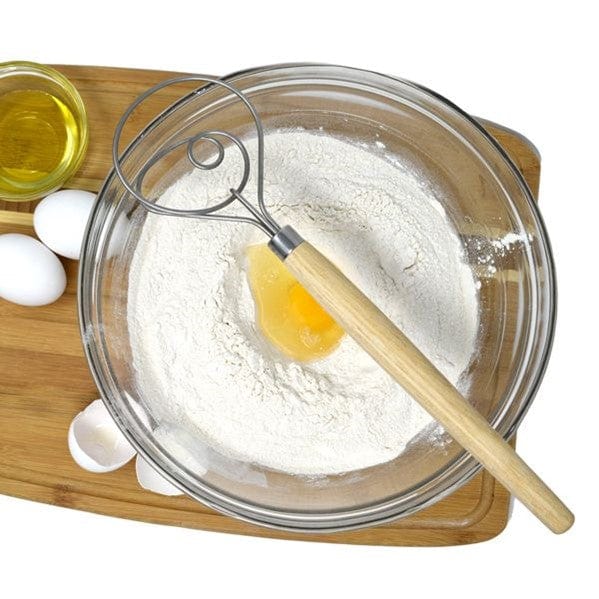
{"x":151,"y":480}
{"x":95,"y":441}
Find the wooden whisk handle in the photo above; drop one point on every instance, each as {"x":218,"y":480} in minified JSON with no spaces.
{"x":392,"y":350}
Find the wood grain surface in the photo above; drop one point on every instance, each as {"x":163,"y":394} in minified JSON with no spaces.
{"x":45,"y":381}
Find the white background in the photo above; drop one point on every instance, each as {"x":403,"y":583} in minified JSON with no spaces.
{"x":530,"y":66}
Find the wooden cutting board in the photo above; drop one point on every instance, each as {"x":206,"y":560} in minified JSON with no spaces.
{"x":45,"y":381}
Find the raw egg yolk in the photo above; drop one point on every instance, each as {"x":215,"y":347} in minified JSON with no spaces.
{"x":289,"y":317}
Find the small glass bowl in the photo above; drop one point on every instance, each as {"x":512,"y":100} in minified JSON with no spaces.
{"x":31,"y":166}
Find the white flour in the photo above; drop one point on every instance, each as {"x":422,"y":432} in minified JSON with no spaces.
{"x":204,"y":364}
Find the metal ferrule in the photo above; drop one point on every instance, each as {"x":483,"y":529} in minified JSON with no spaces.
{"x":285,"y":241}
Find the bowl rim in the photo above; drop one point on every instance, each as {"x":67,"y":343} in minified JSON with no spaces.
{"x":34,"y":69}
{"x":456,"y":473}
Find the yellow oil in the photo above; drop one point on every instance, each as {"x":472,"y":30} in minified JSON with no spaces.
{"x":289,"y":317}
{"x":38,"y":137}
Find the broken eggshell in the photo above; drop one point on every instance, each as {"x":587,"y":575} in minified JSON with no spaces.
{"x":95,"y":441}
{"x":151,"y":480}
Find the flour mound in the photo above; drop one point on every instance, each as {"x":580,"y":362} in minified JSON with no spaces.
{"x":200,"y":357}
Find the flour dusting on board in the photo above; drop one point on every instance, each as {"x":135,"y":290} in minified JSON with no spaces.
{"x":202,"y":360}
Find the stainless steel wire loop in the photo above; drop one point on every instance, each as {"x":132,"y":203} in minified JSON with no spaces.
{"x":260,"y":216}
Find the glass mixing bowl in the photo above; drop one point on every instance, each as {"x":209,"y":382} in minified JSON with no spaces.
{"x":488,"y":203}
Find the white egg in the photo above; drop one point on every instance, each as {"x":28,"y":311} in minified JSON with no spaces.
{"x":151,"y":480}
{"x":30,"y":274}
{"x":59,"y":220}
{"x":95,"y":441}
